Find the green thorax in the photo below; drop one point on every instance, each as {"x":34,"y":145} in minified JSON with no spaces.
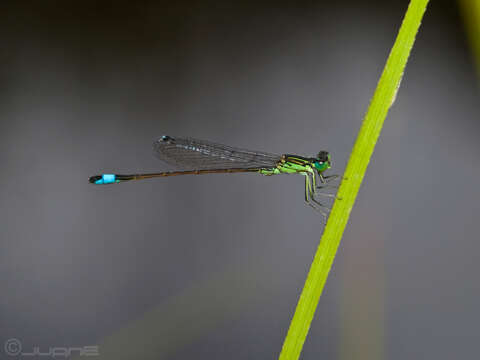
{"x":292,"y":164}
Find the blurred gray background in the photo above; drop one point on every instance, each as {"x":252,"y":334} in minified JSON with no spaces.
{"x":211,"y":267}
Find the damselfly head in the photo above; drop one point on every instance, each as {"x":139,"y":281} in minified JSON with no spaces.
{"x":323,"y":161}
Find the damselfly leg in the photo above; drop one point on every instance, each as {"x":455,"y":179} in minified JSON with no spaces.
{"x":310,"y":196}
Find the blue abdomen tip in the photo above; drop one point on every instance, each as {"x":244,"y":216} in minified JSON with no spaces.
{"x":106,"y":179}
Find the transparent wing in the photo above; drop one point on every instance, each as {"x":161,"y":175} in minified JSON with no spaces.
{"x":188,"y":153}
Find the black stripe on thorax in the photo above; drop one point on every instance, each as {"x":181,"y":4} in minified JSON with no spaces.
{"x":297,"y":159}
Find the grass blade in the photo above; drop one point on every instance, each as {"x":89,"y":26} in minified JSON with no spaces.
{"x":470,"y":10}
{"x":357,"y":165}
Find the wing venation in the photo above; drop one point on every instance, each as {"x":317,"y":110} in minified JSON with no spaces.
{"x":189,"y":153}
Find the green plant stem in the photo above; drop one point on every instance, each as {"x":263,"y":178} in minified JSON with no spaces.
{"x":470,"y":10}
{"x":357,"y":165}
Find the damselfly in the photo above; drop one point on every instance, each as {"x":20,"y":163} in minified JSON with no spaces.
{"x":192,"y":156}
